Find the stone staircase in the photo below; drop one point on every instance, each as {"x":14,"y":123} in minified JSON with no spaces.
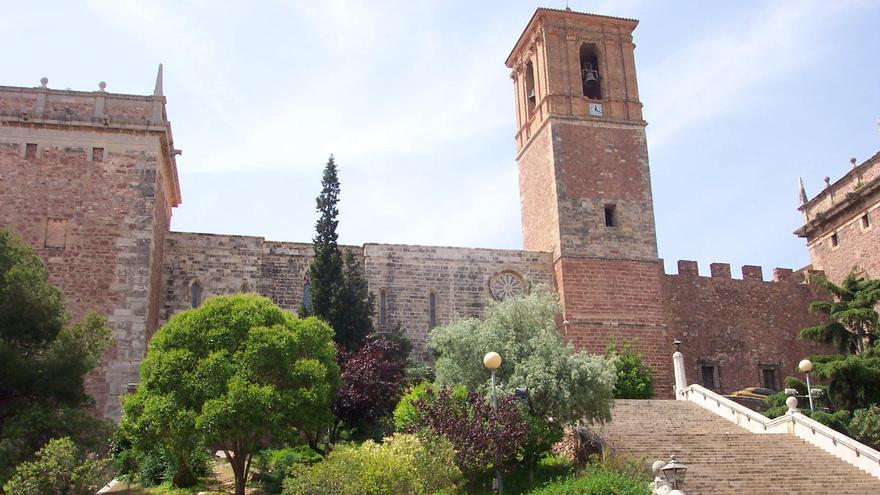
{"x":723,"y":458}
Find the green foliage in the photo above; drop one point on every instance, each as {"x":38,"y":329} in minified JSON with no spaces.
{"x":43,"y":361}
{"x":232,"y":374}
{"x":635,"y":379}
{"x":403,"y":464}
{"x":853,"y":380}
{"x":865,"y":426}
{"x":274,"y":465}
{"x":58,"y":468}
{"x":339,"y":292}
{"x":405,"y":413}
{"x":564,"y":386}
{"x":608,"y":476}
{"x":852,"y":318}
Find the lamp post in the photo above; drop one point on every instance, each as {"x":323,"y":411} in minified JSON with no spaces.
{"x":492,"y":361}
{"x":674,"y":472}
{"x":806,"y":366}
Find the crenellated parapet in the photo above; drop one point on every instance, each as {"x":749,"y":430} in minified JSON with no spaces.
{"x":750,"y":273}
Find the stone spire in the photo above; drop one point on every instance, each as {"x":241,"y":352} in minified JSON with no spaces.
{"x":157,"y":91}
{"x":803,"y":192}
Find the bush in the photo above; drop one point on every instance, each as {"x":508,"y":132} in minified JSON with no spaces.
{"x":59,"y":469}
{"x":865,"y":426}
{"x":274,"y":464}
{"x":635,"y":379}
{"x":404,"y":464}
{"x":598,"y":480}
{"x":405,"y":414}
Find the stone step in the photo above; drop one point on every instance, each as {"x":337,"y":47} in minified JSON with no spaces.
{"x":724,"y":458}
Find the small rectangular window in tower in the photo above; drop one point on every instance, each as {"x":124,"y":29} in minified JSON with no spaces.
{"x":768,"y":377}
{"x":610,"y":220}
{"x":56,"y":233}
{"x":709,"y":376}
{"x":98,"y":155}
{"x":835,"y":240}
{"x":866,"y":222}
{"x":30,"y":151}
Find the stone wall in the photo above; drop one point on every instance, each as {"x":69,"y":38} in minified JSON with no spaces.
{"x":403,"y":276}
{"x":840,"y":224}
{"x":92,"y":191}
{"x":739,"y":326}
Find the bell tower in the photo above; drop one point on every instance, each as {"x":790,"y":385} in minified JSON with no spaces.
{"x":585,"y":184}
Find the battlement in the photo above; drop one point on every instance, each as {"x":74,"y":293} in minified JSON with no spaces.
{"x":690,"y":269}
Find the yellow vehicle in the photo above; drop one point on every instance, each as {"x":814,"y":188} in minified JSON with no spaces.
{"x":754,"y":392}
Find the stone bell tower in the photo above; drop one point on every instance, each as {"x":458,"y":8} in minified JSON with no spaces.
{"x":585,"y":185}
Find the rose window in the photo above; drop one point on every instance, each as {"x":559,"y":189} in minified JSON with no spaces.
{"x":507,"y":284}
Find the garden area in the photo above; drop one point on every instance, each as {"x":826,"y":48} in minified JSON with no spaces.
{"x":240,"y":396}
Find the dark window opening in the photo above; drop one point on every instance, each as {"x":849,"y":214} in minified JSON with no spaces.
{"x":196,"y":295}
{"x":866,"y":222}
{"x":835,"y":241}
{"x":307,"y":296}
{"x":590,"y":79}
{"x":432,"y":310}
{"x":768,"y":378}
{"x":382,"y":303}
{"x":709,"y":375}
{"x":97,"y":154}
{"x":531,"y":96}
{"x":30,"y":151}
{"x":609,"y":216}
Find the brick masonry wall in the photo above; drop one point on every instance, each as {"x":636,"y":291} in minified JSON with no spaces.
{"x":599,"y":165}
{"x":458,"y":277}
{"x":739,"y":326}
{"x":99,"y":215}
{"x":538,"y":196}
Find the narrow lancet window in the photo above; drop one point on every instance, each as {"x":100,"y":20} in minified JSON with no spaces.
{"x":382,"y":315}
{"x":432,"y":310}
{"x":196,"y":294}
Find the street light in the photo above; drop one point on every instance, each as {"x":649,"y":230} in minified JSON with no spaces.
{"x":806,"y":366}
{"x":674,"y":472}
{"x":492,"y":361}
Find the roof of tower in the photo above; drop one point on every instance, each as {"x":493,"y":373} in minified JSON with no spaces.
{"x":631,"y":23}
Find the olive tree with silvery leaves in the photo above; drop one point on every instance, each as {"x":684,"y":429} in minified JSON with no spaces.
{"x":564,"y":386}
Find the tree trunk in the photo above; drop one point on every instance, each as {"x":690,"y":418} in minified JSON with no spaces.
{"x":183,"y":475}
{"x":238,"y":471}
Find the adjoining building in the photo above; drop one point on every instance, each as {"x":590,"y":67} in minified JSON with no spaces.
{"x":90,"y":180}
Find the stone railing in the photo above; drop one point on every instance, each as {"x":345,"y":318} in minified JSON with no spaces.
{"x":792,"y":423}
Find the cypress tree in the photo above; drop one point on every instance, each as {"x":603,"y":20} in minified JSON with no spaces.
{"x":339,"y":291}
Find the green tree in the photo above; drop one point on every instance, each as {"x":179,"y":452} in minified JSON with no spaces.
{"x":635,"y":379}
{"x":43,"y":361}
{"x":852,"y":318}
{"x":564,"y":386}
{"x":233,"y":374}
{"x":339,"y":292}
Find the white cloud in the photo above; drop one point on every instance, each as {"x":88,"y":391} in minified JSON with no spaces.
{"x":715,"y":75}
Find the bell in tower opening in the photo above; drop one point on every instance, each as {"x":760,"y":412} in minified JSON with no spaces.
{"x":590,"y":72}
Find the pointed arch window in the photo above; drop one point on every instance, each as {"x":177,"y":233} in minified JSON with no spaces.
{"x":432,"y":310}
{"x":307,"y":296}
{"x":590,"y":78}
{"x":195,"y":293}
{"x":382,"y":308}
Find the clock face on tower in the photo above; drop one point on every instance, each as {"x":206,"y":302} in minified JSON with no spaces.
{"x":595,"y":109}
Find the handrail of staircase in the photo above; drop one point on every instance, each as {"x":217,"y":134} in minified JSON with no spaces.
{"x":834,"y":442}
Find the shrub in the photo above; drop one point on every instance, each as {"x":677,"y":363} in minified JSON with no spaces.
{"x":58,"y":469}
{"x":481,"y":436}
{"x":635,"y":379}
{"x":405,"y":414}
{"x":598,"y":480}
{"x":865,"y":426}
{"x":404,"y":464}
{"x":274,"y":464}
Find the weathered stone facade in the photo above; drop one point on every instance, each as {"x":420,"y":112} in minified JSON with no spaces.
{"x":839,"y":223}
{"x":89,"y":178}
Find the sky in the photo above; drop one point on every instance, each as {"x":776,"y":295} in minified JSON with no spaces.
{"x":413,"y":99}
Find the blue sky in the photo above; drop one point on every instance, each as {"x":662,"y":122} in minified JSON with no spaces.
{"x":414,"y":100}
